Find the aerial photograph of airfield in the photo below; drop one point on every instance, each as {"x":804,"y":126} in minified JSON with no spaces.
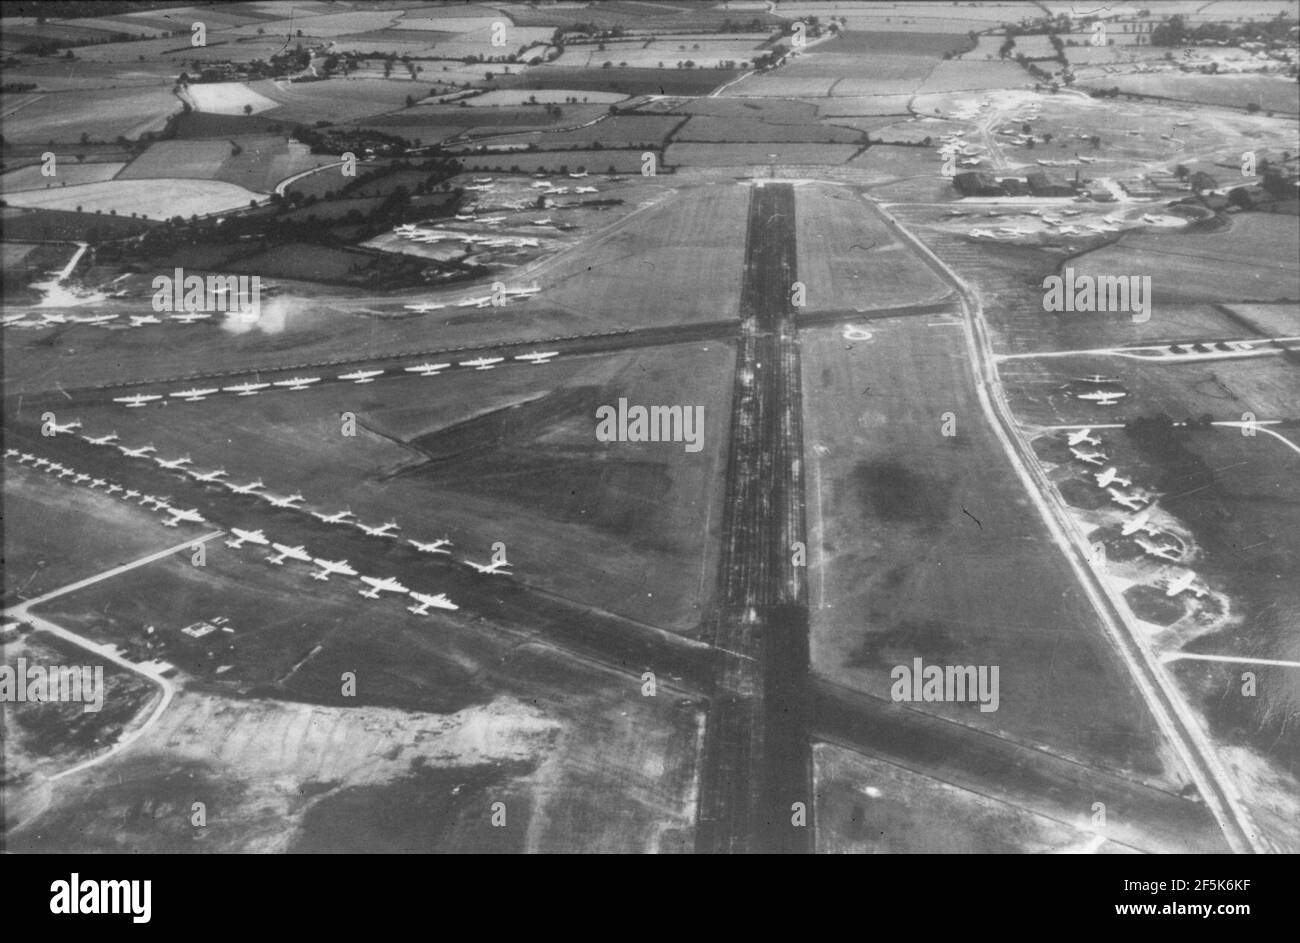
{"x":637,"y":426}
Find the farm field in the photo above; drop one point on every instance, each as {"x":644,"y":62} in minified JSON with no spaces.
{"x":261,"y":164}
{"x":1271,"y":93}
{"x":627,"y":81}
{"x":154,"y":198}
{"x":1240,"y":264}
{"x":848,"y":258}
{"x":228,"y":98}
{"x":754,"y":155}
{"x":66,"y":172}
{"x":98,"y":114}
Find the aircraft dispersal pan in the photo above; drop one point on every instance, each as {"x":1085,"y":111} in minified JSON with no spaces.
{"x":1138,"y":522}
{"x":1130,"y":501}
{"x":1111,"y":476}
{"x":1183,"y":583}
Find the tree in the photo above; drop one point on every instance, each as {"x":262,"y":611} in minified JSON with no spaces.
{"x":248,"y":110}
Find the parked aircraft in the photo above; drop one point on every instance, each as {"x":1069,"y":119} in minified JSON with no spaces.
{"x":424,"y":601}
{"x":246,"y":536}
{"x":288,"y":553}
{"x":432,"y":547}
{"x":378,"y":586}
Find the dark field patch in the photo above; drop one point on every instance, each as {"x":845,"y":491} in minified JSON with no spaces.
{"x":420,"y":813}
{"x":890,"y":491}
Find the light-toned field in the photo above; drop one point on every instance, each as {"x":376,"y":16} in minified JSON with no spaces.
{"x":752,"y":155}
{"x":956,"y":75}
{"x":153,"y":198}
{"x":848,"y":258}
{"x":1270,"y":92}
{"x":102,"y":114}
{"x":67,"y":171}
{"x":228,"y":98}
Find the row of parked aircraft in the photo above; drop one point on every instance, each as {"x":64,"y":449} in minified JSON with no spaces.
{"x":50,"y":319}
{"x":325,"y":568}
{"x":1139,"y":523}
{"x":198,"y":394}
{"x":174,"y":516}
{"x":285,"y":502}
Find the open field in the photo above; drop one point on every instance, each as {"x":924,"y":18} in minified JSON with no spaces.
{"x":756,"y":155}
{"x":870,"y":806}
{"x":541,"y":96}
{"x":154,"y":198}
{"x":262,"y":162}
{"x":100,"y":114}
{"x":627,"y":81}
{"x":1271,"y":93}
{"x":849,"y":260}
{"x":228,"y":98}
{"x":968,"y":576}
{"x":66,"y":173}
{"x":1251,"y":261}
